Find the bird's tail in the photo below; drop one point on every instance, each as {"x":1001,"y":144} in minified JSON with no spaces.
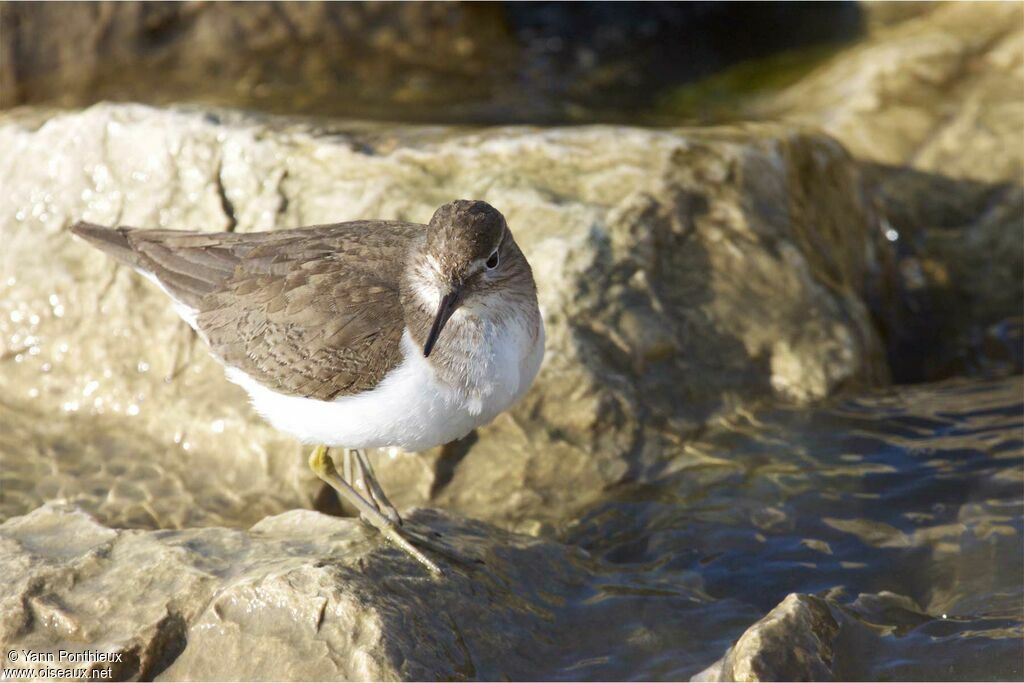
{"x":113,"y":241}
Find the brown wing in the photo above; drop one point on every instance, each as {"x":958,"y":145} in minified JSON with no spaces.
{"x":309,"y":312}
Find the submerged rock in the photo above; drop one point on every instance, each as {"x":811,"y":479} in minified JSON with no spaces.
{"x":649,"y":248}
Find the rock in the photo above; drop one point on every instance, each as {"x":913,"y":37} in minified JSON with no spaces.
{"x":447,"y":62}
{"x":69,"y":581}
{"x":876,"y":636}
{"x":307,"y":596}
{"x":793,"y":642}
{"x":648,"y":247}
{"x":932,"y":105}
{"x":378,"y":59}
{"x":938,"y":92}
{"x":963,"y":275}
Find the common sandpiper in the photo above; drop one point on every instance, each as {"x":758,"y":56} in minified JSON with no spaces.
{"x":358,"y":335}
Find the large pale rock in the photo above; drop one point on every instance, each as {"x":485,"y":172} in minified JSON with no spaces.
{"x":940,"y":92}
{"x":681,"y":274}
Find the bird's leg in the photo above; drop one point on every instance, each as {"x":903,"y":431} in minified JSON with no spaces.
{"x":365,"y":476}
{"x":322,"y":465}
{"x":351,"y":472}
{"x":356,"y":470}
{"x":346,"y":465}
{"x":376,"y":492}
{"x":348,"y":474}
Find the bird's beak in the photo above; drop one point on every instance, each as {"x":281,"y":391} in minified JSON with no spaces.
{"x":449,"y":303}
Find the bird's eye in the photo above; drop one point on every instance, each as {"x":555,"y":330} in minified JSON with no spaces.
{"x":492,"y":262}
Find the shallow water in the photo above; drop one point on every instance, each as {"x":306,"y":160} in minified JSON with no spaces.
{"x":903,"y":508}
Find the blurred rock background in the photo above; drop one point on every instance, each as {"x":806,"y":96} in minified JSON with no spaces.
{"x":752,"y":225}
{"x":516,"y":62}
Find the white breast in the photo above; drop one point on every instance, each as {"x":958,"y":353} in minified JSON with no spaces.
{"x":411,"y":409}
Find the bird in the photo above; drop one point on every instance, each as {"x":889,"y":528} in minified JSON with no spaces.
{"x":358,"y":335}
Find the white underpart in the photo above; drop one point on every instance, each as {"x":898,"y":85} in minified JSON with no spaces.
{"x":411,"y":408}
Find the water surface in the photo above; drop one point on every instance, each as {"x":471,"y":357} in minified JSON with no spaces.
{"x":903,"y":508}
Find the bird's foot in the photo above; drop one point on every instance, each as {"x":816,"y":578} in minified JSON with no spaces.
{"x":432,"y":540}
{"x":323,"y":466}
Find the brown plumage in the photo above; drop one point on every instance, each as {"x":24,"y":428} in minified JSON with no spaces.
{"x":319,"y":312}
{"x":315,"y":319}
{"x":311,"y":312}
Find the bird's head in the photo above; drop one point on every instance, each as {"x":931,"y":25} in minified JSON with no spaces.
{"x":468,"y":259}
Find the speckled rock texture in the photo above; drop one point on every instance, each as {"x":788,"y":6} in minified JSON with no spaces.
{"x":647,"y":252}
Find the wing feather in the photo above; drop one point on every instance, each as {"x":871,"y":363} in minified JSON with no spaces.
{"x":310,"y":312}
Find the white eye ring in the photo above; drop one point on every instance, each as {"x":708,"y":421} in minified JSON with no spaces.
{"x":492,"y":261}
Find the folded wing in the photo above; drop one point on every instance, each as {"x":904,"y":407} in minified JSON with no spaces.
{"x":311,"y":312}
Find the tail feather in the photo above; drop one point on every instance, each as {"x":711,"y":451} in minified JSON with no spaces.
{"x":113,"y":241}
{"x":186,"y":273}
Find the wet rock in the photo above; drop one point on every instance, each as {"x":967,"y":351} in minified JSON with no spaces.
{"x":876,"y":636}
{"x":932,"y":105}
{"x":648,"y":247}
{"x":960,"y":265}
{"x":793,"y":642}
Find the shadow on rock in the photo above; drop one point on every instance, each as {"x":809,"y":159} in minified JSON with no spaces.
{"x":958,"y":270}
